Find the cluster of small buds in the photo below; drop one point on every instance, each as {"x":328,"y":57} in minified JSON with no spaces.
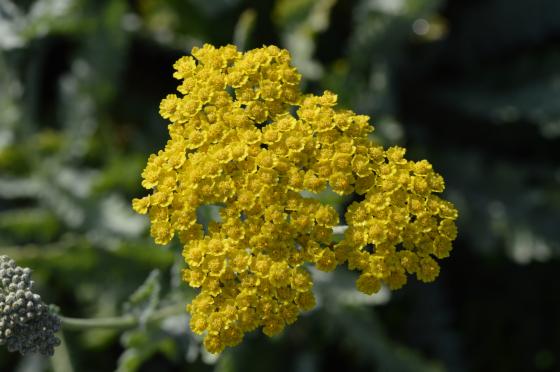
{"x":243,"y":136}
{"x":26,"y":325}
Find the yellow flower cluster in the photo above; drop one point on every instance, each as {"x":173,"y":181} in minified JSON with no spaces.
{"x":243,"y":137}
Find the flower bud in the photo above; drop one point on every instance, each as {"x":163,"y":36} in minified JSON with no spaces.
{"x":25,"y":325}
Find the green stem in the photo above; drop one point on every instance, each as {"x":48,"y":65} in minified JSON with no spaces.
{"x":61,"y":359}
{"x":119,"y":323}
{"x":243,"y":28}
{"x":340,"y":229}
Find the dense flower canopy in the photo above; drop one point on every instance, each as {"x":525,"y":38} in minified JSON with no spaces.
{"x":244,"y":137}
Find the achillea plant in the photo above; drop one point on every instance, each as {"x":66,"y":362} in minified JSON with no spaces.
{"x":26,"y":325}
{"x":243,"y":136}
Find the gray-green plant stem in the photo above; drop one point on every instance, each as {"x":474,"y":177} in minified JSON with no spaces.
{"x":120,"y":322}
{"x":61,"y":361}
{"x":243,"y":28}
{"x":339,"y":230}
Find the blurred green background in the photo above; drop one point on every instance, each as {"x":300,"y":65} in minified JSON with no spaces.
{"x":471,"y":85}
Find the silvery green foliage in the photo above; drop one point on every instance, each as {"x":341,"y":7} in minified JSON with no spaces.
{"x":26,"y":325}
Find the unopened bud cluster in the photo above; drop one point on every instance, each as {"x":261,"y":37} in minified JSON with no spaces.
{"x":26,"y":325}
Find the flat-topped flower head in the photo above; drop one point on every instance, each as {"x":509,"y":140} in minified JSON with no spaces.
{"x":243,"y":136}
